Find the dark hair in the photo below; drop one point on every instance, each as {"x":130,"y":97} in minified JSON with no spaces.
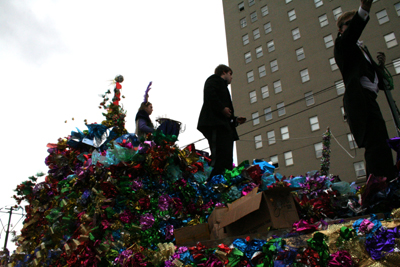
{"x":221,"y":69}
{"x":345,"y":16}
{"x":144,"y":105}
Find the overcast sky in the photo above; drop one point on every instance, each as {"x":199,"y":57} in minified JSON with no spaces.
{"x":56,"y":57}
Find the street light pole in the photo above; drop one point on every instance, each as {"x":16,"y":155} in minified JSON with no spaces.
{"x":8,"y":228}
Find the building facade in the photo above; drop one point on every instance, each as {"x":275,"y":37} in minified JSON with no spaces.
{"x":287,"y":84}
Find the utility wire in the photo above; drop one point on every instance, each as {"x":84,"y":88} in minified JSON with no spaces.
{"x":292,"y":103}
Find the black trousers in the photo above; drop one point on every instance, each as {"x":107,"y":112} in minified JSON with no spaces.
{"x":378,"y":154}
{"x":220,"y":141}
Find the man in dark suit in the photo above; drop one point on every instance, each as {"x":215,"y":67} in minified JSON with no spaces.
{"x":363,"y":78}
{"x":217,"y":121}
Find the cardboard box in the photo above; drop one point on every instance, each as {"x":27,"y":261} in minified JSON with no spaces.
{"x":254,"y":213}
{"x":190,"y":234}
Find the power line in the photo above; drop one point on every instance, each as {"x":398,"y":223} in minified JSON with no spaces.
{"x":292,"y":103}
{"x":294,"y":114}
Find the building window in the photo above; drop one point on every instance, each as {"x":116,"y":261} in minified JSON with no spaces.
{"x":241,"y":6}
{"x":259,"y":52}
{"x":285,"y":132}
{"x":253,"y":97}
{"x":288,"y":158}
{"x":328,"y":41}
{"x":271,"y":137}
{"x":300,"y":54}
{"x":256,"y":118}
{"x":250,"y":76}
{"x":261,"y":71}
{"x":397,"y":7}
{"x":256,"y":34}
{"x":309,"y":97}
{"x":343,"y":113}
{"x":268,"y":114}
{"x":264,"y":10}
{"x":314,"y":123}
{"x":352,"y":142}
{"x":296,"y":34}
{"x":390,"y":40}
{"x":333,"y":64}
{"x":267,"y":27}
{"x":264,"y":91}
{"x":271,"y":46}
{"x":360,"y":169}
{"x":253,"y":16}
{"x":382,"y":16}
{"x":274,"y":65}
{"x":281,"y":109}
{"x":277,"y":86}
{"x":251,"y":2}
{"x":396,"y":65}
{"x":258,"y":141}
{"x":243,"y":23}
{"x":274,"y":161}
{"x":245,"y":39}
{"x":305,"y":77}
{"x":292,"y":15}
{"x":318,"y":3}
{"x":318,"y":150}
{"x":337,"y":12}
{"x":247,"y":57}
{"x":323,"y":20}
{"x":340,"y":87}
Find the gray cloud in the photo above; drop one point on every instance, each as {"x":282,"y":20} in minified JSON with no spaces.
{"x":35,"y":39}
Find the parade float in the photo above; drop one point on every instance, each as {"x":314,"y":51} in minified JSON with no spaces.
{"x":110,"y":199}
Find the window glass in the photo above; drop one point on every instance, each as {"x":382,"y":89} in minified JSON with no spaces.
{"x":268,"y":114}
{"x":296,"y":34}
{"x":288,"y":158}
{"x":323,"y":20}
{"x":264,"y":91}
{"x":255,"y":118}
{"x":281,"y":109}
{"x":300,"y":54}
{"x":390,"y":40}
{"x":258,"y":141}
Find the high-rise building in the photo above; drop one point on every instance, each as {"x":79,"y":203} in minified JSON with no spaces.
{"x":286,"y":81}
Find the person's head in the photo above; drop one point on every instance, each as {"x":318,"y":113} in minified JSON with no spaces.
{"x":343,"y":21}
{"x":225,"y":72}
{"x":146,"y":106}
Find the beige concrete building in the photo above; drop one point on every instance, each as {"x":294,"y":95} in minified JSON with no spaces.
{"x":287,"y":84}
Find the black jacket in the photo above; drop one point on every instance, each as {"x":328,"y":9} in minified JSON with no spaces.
{"x":216,"y":98}
{"x":353,"y":65}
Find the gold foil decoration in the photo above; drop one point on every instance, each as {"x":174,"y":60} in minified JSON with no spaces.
{"x":396,"y":214}
{"x":177,"y":263}
{"x":67,"y":249}
{"x":75,"y":243}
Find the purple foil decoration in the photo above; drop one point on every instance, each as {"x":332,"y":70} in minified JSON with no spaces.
{"x":382,"y":242}
{"x":123,"y":256}
{"x":146,"y":93}
{"x":136,"y":185}
{"x":169,"y":232}
{"x":163,"y":202}
{"x":341,"y":258}
{"x":147,"y":221}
